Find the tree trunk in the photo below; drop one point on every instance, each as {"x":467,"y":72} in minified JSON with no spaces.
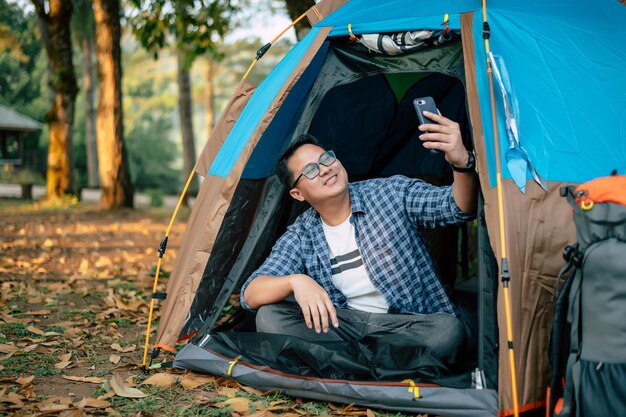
{"x":117,"y":189}
{"x":90,"y":114}
{"x":210,"y":99}
{"x":295,"y":8}
{"x":185,"y":112}
{"x":54,"y":25}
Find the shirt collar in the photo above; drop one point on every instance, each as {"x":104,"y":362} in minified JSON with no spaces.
{"x":311,"y":217}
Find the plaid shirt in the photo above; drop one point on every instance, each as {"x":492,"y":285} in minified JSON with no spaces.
{"x":388,"y":216}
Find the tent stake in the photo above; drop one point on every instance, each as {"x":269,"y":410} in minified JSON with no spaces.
{"x":162,"y":248}
{"x":504,"y":264}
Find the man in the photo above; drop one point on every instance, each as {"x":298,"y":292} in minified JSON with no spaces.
{"x":356,"y":263}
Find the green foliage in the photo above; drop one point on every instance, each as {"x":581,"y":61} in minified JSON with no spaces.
{"x":152,"y":153}
{"x":156,"y":197}
{"x":21,"y":66}
{"x":195,"y":25}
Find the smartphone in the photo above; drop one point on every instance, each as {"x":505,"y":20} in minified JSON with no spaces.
{"x":422,"y":104}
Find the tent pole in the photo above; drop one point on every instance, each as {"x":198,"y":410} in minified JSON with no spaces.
{"x":504,"y":274}
{"x":162,"y":248}
{"x":264,"y":48}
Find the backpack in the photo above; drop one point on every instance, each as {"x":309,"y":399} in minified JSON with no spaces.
{"x":588,"y":340}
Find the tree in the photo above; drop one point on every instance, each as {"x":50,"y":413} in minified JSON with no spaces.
{"x":83,"y":30}
{"x":117,"y":189}
{"x":54,"y":22}
{"x":194,"y":26}
{"x":295,"y":8}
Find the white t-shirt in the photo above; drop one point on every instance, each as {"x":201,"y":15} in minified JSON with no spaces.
{"x":349,"y":273}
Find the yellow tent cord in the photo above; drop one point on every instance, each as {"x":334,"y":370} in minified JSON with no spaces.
{"x":180,"y":200}
{"x":413,"y":388}
{"x":158,"y":269}
{"x":232,"y":365}
{"x":504,"y":261}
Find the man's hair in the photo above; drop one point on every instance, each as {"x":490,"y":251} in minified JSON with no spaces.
{"x":286,"y":177}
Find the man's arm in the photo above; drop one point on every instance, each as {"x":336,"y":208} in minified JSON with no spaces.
{"x":313,"y":300}
{"x":446,"y":137}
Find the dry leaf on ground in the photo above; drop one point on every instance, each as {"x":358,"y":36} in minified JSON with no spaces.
{"x":192,"y":381}
{"x":93,"y":403}
{"x":239,"y":404}
{"x":90,"y":379}
{"x":123,"y":390}
{"x":161,"y":379}
{"x":119,"y":348}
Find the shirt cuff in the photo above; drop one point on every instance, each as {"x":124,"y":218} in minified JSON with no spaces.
{"x":243,"y":289}
{"x":457,"y":212}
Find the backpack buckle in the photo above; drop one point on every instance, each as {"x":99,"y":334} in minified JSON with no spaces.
{"x":572,"y":254}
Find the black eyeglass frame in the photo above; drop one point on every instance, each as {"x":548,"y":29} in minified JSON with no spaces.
{"x":317,"y":164}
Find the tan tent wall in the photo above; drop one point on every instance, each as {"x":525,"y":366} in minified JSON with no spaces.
{"x":231,"y":113}
{"x":207,"y":215}
{"x":538,"y":225}
{"x":322,"y":9}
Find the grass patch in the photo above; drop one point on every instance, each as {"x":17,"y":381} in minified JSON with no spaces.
{"x":18,"y":330}
{"x":29,"y":363}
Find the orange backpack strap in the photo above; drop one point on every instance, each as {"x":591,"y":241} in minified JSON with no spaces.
{"x":601,"y":190}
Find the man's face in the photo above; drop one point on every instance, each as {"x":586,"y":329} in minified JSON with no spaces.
{"x":332,"y":180}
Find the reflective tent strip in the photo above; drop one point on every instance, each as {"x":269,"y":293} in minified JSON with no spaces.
{"x":210,"y":206}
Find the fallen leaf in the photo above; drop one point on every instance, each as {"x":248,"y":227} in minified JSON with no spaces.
{"x":76,"y":412}
{"x":123,"y":390}
{"x":102,"y":262}
{"x":93,"y":403}
{"x":91,"y":379}
{"x":25,"y":380}
{"x":84,"y":267}
{"x":30,"y":348}
{"x":251,"y":390}
{"x":161,"y":379}
{"x":239,"y":404}
{"x":117,"y":347}
{"x":112,"y":412}
{"x":192,"y":381}
{"x":62,"y":365}
{"x":52,"y":407}
{"x":228,"y":392}
{"x":12,"y":398}
{"x":35,"y":330}
{"x":115,"y":359}
{"x":263,"y":413}
{"x":8,"y":348}
{"x":48,"y":243}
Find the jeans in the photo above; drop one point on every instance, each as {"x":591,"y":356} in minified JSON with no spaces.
{"x":443,"y":333}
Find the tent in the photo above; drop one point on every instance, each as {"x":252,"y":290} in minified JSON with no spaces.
{"x":559,"y":104}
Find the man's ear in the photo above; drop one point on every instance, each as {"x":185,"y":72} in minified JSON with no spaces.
{"x":295,"y":193}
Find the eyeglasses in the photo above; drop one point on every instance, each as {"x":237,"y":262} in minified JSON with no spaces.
{"x":312,"y":170}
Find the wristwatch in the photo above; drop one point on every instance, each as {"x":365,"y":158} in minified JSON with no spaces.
{"x":471,"y":164}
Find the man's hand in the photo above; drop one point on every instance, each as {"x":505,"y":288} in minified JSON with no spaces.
{"x":314,"y":302}
{"x":446,"y":137}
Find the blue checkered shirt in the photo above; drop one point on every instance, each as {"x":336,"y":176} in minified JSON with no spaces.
{"x":389,"y":216}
